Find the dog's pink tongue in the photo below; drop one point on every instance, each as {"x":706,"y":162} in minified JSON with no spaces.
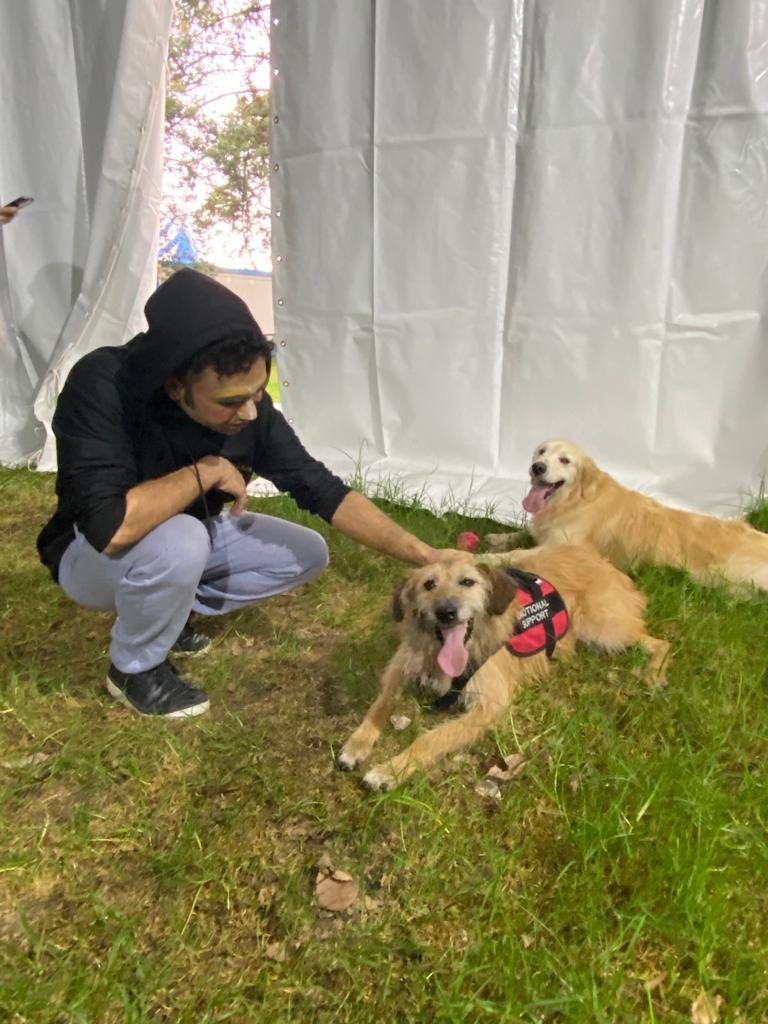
{"x":453,"y":656}
{"x":535,"y":499}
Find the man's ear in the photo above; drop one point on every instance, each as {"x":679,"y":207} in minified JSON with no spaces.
{"x":502,"y":592}
{"x":174,"y":389}
{"x":588,"y":477}
{"x":396,"y":606}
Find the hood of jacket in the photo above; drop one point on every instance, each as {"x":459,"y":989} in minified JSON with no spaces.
{"x":187,"y":312}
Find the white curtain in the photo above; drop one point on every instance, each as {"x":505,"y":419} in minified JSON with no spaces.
{"x":81,"y":120}
{"x":498,"y":221}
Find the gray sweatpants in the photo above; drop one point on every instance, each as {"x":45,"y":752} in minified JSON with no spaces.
{"x":154,"y":584}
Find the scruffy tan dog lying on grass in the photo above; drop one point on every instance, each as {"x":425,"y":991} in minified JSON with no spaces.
{"x":572,"y":501}
{"x":459,"y":613}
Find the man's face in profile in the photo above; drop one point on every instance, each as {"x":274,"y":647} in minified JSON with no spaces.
{"x":224,"y":404}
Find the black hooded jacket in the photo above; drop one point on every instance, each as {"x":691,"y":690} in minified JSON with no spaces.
{"x":115,"y":426}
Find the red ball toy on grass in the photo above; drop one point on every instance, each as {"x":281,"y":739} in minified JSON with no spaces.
{"x":467,"y":541}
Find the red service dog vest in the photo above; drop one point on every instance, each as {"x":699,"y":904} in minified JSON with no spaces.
{"x":543,"y":616}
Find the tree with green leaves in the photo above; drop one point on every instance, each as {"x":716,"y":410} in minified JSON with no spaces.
{"x":217,"y":120}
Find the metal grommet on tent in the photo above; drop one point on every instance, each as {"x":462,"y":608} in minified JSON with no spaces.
{"x":276,"y":119}
{"x":275,"y":167}
{"x":281,"y":302}
{"x":277,"y":213}
{"x":283,"y":343}
{"x":285,"y":384}
{"x":278,"y":259}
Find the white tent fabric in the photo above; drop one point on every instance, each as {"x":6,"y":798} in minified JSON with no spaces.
{"x":81,"y":120}
{"x":500,"y":221}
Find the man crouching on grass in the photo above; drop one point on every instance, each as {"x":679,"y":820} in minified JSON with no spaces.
{"x":152,"y":439}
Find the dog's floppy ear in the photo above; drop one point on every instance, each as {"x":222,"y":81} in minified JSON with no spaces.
{"x":588,"y":477}
{"x":396,"y":607}
{"x":503,"y":590}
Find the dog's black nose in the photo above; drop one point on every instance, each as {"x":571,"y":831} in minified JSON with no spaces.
{"x":539,"y":468}
{"x":446,"y":613}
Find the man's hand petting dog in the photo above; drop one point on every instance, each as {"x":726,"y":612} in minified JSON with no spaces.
{"x":448,"y":555}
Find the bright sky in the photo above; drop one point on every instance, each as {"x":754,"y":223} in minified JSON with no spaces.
{"x":221,"y":245}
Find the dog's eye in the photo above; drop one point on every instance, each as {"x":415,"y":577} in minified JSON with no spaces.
{"x":565,"y":461}
{"x":467,"y":582}
{"x":430,"y":584}
{"x":541,"y":451}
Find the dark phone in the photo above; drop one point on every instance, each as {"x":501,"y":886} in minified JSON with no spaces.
{"x":20,"y":201}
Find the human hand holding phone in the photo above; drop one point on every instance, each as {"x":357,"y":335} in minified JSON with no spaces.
{"x":9,"y":210}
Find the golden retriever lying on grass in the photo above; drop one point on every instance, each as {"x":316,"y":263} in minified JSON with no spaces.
{"x":572,"y":501}
{"x":457,"y":613}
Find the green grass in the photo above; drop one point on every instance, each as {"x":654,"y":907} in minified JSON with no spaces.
{"x":163,"y":872}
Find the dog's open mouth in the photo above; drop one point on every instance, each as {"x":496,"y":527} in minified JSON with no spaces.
{"x":539,"y":495}
{"x":453,"y":655}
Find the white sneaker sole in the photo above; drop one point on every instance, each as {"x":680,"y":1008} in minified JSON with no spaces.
{"x":190,"y":712}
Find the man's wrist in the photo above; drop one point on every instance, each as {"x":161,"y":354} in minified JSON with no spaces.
{"x":206,"y":471}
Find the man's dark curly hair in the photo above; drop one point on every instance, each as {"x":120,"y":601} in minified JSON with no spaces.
{"x":228,"y":356}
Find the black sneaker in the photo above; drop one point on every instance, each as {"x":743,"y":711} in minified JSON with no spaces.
{"x":158,"y":691}
{"x":191,"y":642}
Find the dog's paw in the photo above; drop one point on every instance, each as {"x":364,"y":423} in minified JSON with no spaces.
{"x":378,"y":780}
{"x":351,"y":756}
{"x":345,"y":762}
{"x":656,"y":679}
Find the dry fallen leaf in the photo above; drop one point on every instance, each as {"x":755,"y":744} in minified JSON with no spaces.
{"x":704,"y":1009}
{"x":276,"y":951}
{"x":400,"y":722}
{"x":515,"y":764}
{"x":266,"y":894}
{"x":488,"y":789}
{"x":335,"y":890}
